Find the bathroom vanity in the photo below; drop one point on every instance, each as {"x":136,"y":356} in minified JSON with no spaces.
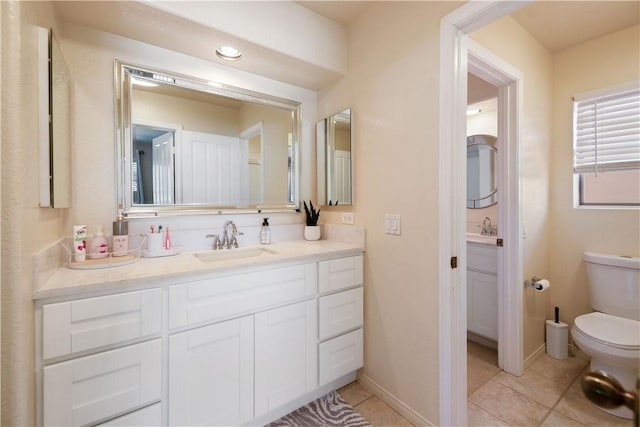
{"x":191,"y":340}
{"x":482,"y":286}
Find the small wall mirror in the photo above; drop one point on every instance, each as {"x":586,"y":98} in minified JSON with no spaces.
{"x":334,"y":157}
{"x":482,"y":171}
{"x":187,"y":144}
{"x":53,"y":123}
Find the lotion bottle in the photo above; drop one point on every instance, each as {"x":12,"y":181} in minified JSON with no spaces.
{"x":120,"y":237}
{"x":99,"y":246}
{"x":265,"y":232}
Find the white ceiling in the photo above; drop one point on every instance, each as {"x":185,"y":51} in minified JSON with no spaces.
{"x":556,"y":25}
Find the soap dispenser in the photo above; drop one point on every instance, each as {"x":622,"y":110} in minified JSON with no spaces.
{"x":265,"y":232}
{"x":99,"y":246}
{"x":120,"y":239}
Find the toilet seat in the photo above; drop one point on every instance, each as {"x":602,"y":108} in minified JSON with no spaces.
{"x":612,"y":331}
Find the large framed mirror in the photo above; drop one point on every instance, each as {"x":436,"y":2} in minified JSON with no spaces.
{"x":185,"y":144}
{"x":334,"y":159}
{"x":482,"y":171}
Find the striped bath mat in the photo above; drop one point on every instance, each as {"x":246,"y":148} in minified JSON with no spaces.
{"x":328,"y":411}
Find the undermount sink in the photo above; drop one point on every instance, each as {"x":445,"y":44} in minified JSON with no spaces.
{"x":231,"y":254}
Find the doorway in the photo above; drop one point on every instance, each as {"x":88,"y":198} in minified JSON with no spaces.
{"x":459,"y":55}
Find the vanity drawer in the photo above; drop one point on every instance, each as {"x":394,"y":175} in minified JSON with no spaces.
{"x":340,"y":356}
{"x":340,"y":312}
{"x":85,"y":324}
{"x":88,"y":389}
{"x":482,"y":258}
{"x":209,"y":300}
{"x":337,"y":274}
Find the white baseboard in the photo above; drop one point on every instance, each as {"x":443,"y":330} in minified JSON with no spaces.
{"x":394,"y":402}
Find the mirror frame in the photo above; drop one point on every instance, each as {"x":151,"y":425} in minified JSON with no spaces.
{"x":123,"y":72}
{"x":324,"y":166}
{"x":492,"y":145}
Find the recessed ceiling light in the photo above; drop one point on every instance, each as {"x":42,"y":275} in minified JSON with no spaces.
{"x":473,"y":111}
{"x":228,"y":53}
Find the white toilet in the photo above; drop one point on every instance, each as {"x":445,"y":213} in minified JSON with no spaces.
{"x":611,"y":335}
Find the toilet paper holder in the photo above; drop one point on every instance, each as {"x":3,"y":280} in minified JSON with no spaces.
{"x":533,"y":283}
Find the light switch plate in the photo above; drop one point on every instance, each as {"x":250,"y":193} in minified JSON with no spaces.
{"x":392,"y":224}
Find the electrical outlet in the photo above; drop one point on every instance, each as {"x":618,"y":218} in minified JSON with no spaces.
{"x":348,"y":218}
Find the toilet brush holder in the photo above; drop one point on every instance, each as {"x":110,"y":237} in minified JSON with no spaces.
{"x":557,"y":339}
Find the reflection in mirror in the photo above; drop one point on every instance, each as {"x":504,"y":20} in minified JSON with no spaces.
{"x":54,"y":124}
{"x":190,"y":144}
{"x":334,"y":159}
{"x":482,"y":171}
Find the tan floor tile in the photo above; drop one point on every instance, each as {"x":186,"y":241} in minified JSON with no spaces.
{"x":478,"y":417}
{"x":379,"y":413}
{"x":574,"y":404}
{"x":482,"y":365}
{"x":556,"y":419}
{"x":479,"y":351}
{"x":354,"y":393}
{"x":509,"y":405}
{"x":537,"y":387}
{"x":562,"y":371}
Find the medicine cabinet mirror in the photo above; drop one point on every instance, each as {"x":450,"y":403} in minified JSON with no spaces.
{"x":334,"y":159}
{"x":54,"y":134}
{"x":186,"y":144}
{"x":482,"y":171}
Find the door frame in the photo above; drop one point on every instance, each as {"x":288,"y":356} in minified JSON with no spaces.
{"x":458,"y":54}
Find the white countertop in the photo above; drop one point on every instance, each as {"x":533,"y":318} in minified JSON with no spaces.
{"x":151,"y":272}
{"x":482,"y":239}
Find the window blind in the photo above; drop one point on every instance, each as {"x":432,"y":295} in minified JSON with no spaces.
{"x":607,"y":130}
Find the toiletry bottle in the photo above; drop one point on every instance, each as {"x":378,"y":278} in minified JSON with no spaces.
{"x":99,"y":247}
{"x":79,"y":242}
{"x":167,"y":240}
{"x":120,"y":238}
{"x":265,"y":232}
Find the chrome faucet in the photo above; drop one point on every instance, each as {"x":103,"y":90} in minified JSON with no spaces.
{"x":486,"y":227}
{"x":230,"y":241}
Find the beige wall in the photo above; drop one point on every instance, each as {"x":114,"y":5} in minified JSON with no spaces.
{"x":26,"y":228}
{"x":392,"y":87}
{"x":190,"y":114}
{"x":606,"y":61}
{"x":508,"y":40}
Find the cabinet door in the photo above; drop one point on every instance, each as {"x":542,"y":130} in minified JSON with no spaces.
{"x":286,"y":355}
{"x":482,"y":304}
{"x":92,"y":388}
{"x":211,"y":374}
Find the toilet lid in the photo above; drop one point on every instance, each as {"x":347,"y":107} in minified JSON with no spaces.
{"x":613,"y":330}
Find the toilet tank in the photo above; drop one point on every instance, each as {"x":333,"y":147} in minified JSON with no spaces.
{"x":614,"y":284}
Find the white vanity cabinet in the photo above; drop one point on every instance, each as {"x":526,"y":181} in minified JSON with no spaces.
{"x":341,"y":317}
{"x":482,"y":290}
{"x":232,"y":348}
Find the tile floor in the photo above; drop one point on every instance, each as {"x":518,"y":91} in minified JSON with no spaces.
{"x":371,"y":407}
{"x":548,"y":394}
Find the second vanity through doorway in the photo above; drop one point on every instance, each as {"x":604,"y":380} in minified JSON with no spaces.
{"x":482,"y":212}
